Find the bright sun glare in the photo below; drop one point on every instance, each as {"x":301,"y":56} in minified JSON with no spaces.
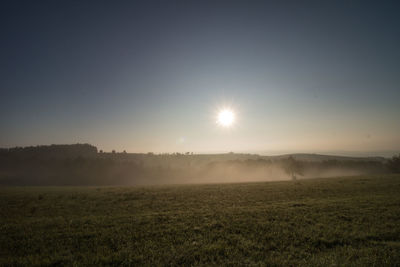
{"x":226,"y":117}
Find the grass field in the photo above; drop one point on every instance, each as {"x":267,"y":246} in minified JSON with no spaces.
{"x":316,"y":222}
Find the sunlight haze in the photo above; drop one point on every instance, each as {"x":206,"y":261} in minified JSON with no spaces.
{"x":141,"y":77}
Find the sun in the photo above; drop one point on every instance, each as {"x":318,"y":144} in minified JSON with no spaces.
{"x":226,"y":117}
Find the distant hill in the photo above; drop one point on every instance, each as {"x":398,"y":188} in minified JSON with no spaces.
{"x":319,"y":157}
{"x":87,"y":150}
{"x":297,"y":156}
{"x":82,"y":164}
{"x":51,"y":151}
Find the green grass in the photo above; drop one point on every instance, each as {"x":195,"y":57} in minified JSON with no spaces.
{"x":319,"y":222}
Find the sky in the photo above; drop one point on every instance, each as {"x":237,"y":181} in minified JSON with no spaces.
{"x":300,"y":76}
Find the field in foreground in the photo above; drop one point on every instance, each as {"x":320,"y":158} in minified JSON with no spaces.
{"x":337,"y":221}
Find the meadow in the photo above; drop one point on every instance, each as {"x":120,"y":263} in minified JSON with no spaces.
{"x":346,"y":221}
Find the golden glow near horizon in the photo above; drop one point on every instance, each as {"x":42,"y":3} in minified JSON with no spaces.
{"x":226,"y":117}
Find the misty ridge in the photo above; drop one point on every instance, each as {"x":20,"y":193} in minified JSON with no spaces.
{"x":83,"y":164}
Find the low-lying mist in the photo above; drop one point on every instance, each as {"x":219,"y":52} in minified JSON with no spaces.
{"x":83,"y":165}
{"x":236,"y":172}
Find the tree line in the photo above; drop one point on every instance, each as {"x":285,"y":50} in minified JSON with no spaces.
{"x":82,"y":164}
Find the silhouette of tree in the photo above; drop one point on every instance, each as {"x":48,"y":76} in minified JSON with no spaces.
{"x":293,"y":167}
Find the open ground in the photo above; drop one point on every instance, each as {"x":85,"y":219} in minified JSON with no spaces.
{"x":316,"y":222}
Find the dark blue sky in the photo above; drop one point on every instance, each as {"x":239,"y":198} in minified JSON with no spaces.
{"x":149,"y":76}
